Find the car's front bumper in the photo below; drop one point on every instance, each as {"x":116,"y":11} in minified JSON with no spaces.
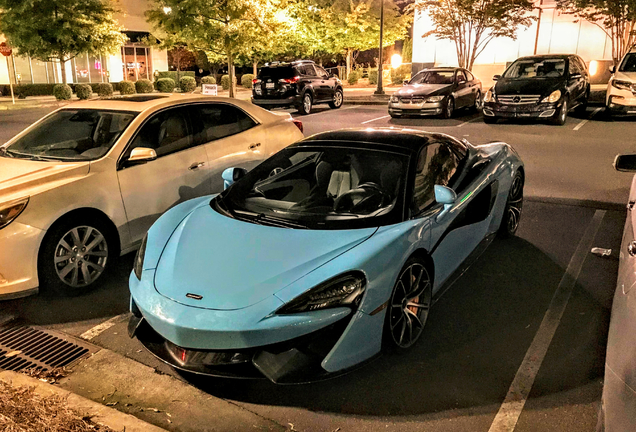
{"x":540,"y":110}
{"x":19,"y":246}
{"x":621,"y":101}
{"x":424,"y":108}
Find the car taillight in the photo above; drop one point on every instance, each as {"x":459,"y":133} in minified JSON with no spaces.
{"x":255,"y":81}
{"x":293,"y":80}
{"x":298,"y":124}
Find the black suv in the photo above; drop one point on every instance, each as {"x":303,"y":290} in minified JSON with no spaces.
{"x":542,"y":87}
{"x":301,"y":84}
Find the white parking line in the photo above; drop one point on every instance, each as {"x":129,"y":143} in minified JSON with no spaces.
{"x":300,"y":117}
{"x":469,"y":121}
{"x":580,"y":125}
{"x":509,"y":412}
{"x":100,"y":328}
{"x":379,"y":118}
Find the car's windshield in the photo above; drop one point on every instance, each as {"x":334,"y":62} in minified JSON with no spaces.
{"x":536,"y":68}
{"x":628,"y":64}
{"x":434,"y":77}
{"x":321,"y":188}
{"x":72,"y":134}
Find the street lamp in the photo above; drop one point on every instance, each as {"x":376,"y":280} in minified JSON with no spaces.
{"x":380,"y":91}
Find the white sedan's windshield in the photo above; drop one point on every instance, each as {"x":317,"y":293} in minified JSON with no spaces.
{"x":73,"y":134}
{"x":628,"y":64}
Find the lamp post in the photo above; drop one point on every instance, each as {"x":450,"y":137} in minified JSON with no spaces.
{"x":379,"y":90}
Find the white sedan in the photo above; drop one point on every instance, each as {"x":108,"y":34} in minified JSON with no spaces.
{"x":83,"y":185}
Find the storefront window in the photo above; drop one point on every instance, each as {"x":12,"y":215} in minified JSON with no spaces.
{"x":81,"y":69}
{"x":137,"y":63}
{"x":39,"y":72}
{"x":97,"y":69}
{"x":22,"y":70}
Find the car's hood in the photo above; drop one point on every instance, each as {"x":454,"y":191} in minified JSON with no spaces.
{"x":625,"y":76}
{"x":532,"y":86}
{"x":234,"y":264}
{"x":20,"y":176}
{"x":423,"y":89}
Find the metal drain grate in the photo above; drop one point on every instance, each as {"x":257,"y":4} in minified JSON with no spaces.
{"x":24,"y":347}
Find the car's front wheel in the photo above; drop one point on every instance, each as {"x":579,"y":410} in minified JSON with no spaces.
{"x":338,"y":99}
{"x":74,"y":254}
{"x":409,"y":304}
{"x":561,"y":115}
{"x":449,"y":108}
{"x":514,"y":206}
{"x":306,"y":105}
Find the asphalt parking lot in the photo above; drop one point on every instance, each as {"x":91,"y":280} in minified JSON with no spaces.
{"x":461,"y":371}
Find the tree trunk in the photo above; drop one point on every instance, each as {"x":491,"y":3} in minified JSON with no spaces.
{"x":63,"y":68}
{"x":255,"y":68}
{"x":349,"y":54}
{"x":230,"y":71}
{"x":178,"y":55}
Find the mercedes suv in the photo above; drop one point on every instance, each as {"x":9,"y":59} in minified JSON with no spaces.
{"x":300,"y":84}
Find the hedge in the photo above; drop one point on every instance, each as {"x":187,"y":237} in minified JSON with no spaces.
{"x":144,"y":86}
{"x":209,"y":79}
{"x":373,"y":76}
{"x":187,"y":84}
{"x":165,"y":85}
{"x":173,"y":74}
{"x":127,"y":88}
{"x":246,"y":80}
{"x":399,"y":74}
{"x":62,"y":92}
{"x":353,"y":77}
{"x":104,"y":89}
{"x":83,"y":91}
{"x":225,"y":82}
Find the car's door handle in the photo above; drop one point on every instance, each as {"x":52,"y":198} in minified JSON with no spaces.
{"x":630,"y":205}
{"x":196,"y":166}
{"x":254,"y":146}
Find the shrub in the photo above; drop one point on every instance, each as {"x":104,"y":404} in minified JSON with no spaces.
{"x":399,"y":74}
{"x":353,"y":77}
{"x":225,"y":82}
{"x":246,"y":80}
{"x":144,"y":86}
{"x":208,"y":80}
{"x":104,"y":89}
{"x":126,"y":88}
{"x":173,"y":74}
{"x":62,"y":92}
{"x":165,"y":85}
{"x":187,"y":84}
{"x":83,"y":91}
{"x":373,"y":76}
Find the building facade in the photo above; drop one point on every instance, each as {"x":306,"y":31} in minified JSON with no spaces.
{"x":134,"y":61}
{"x":551,"y":33}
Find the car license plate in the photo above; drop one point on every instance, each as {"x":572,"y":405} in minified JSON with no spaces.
{"x":270,"y":85}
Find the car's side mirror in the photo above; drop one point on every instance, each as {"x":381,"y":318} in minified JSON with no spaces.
{"x":140,"y":155}
{"x":461,"y":82}
{"x":626,"y":163}
{"x":406,"y":82}
{"x":333,"y":76}
{"x":612,"y":69}
{"x":446,"y":196}
{"x":496,"y":77}
{"x":231,"y":175}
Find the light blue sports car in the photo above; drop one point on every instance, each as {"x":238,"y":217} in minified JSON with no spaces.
{"x":315,"y":260}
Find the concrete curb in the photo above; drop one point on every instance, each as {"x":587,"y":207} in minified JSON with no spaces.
{"x":98,"y":413}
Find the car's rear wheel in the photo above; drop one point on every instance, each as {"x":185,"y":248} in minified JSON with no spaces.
{"x":561,"y":115}
{"x":449,"y":108}
{"x":338,"y":99}
{"x":514,"y":206}
{"x":306,"y":105}
{"x":409,"y":304}
{"x":74,"y":254}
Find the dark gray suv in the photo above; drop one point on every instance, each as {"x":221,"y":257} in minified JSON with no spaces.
{"x":301,"y":84}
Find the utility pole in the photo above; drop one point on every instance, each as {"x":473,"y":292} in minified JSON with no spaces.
{"x":380,"y":91}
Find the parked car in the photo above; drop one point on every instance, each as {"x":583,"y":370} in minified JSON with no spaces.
{"x":621,"y":88}
{"x":307,"y":264}
{"x":83,"y":185}
{"x":618,"y":407}
{"x":539,"y":87}
{"x":301,"y":84}
{"x":436,"y":91}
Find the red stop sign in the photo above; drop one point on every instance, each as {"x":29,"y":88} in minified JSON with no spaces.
{"x":5,"y":49}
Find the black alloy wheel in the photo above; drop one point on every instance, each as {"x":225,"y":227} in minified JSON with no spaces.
{"x":409,"y":305}
{"x":514,"y":206}
{"x":449,"y":108}
{"x":338,"y":99}
{"x":306,"y":105}
{"x":561,"y":115}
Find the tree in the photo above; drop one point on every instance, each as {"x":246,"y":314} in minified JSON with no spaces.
{"x":222,"y":27}
{"x":472,"y":24}
{"x":50,"y":30}
{"x":615,"y":17}
{"x":180,"y":57}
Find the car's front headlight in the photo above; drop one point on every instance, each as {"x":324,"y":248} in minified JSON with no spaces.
{"x":11,"y":210}
{"x":621,"y":85}
{"x":394,"y":99}
{"x":138,"y":266}
{"x":554,"y":97}
{"x":490,"y":96}
{"x":435,"y":99}
{"x":343,"y":290}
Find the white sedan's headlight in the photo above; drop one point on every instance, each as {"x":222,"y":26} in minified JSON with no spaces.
{"x":344,"y":290}
{"x":621,"y":85}
{"x":435,"y":99}
{"x":11,"y":210}
{"x":490,"y":96}
{"x":554,"y":96}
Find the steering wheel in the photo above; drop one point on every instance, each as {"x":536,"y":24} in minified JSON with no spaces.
{"x":367,"y":197}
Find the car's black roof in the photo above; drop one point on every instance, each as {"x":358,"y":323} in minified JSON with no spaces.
{"x":409,"y":140}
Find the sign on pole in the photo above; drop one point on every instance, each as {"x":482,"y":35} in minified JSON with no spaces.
{"x":209,"y":89}
{"x":6,"y":51}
